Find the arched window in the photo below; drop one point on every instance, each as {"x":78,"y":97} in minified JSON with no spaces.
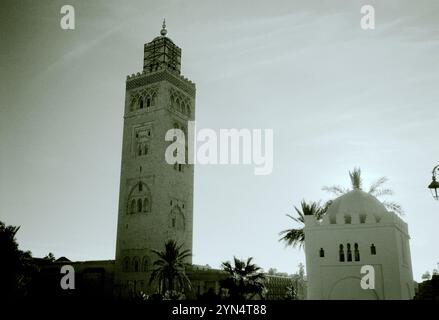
{"x":126,"y":264}
{"x":153,"y":99}
{"x":140,"y":103}
{"x":322,"y":253}
{"x":145,"y":264}
{"x":145,"y":205}
{"x":177,"y":219}
{"x":356,"y":252}
{"x":373,"y":250}
{"x":136,"y":264}
{"x":145,"y":149}
{"x":341,"y":253}
{"x":133,"y":206}
{"x":148,"y":102}
{"x":349,"y":252}
{"x":136,"y":198}
{"x":363,"y":218}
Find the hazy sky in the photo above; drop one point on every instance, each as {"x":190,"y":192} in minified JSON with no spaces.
{"x":335,"y":95}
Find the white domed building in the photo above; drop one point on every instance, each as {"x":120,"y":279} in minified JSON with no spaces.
{"x":357,"y":230}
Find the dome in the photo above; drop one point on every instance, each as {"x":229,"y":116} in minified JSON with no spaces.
{"x":356,"y":201}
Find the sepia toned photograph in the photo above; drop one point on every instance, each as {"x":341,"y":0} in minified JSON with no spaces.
{"x":212,"y":157}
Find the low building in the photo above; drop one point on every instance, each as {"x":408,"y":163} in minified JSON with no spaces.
{"x":356,"y":234}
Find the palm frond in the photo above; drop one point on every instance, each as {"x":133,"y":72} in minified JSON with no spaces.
{"x":356,"y":180}
{"x":393,"y":206}
{"x":299,"y":220}
{"x":335,"y":190}
{"x":296,"y":236}
{"x":383,"y":192}
{"x":244,"y":280}
{"x":169,"y":268}
{"x":377,"y":184}
{"x":293,"y":237}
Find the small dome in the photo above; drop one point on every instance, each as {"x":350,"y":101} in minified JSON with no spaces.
{"x":356,"y":201}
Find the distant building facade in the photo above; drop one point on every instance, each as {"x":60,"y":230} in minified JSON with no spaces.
{"x":357,"y":230}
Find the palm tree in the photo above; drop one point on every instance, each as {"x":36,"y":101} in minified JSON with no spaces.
{"x":375,"y":189}
{"x":245,"y":279}
{"x":169,"y":268}
{"x":296,"y":236}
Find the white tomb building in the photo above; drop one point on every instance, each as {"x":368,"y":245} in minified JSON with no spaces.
{"x":357,"y":230}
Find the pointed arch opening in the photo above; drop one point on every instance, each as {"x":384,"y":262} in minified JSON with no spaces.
{"x":341,"y":253}
{"x":136,"y":264}
{"x":356,"y":252}
{"x":139,"y":198}
{"x":349,"y":252}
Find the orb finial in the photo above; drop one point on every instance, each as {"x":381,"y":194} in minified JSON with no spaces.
{"x":163,"y":32}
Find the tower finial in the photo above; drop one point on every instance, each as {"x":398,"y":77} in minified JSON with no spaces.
{"x":163,"y":32}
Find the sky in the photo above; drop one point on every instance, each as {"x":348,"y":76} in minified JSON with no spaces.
{"x":335,"y":95}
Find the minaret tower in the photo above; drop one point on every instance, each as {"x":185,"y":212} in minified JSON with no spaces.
{"x":156,"y":198}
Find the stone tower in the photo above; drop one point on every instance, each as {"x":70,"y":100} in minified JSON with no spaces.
{"x":358,"y":231}
{"x":156,"y":198}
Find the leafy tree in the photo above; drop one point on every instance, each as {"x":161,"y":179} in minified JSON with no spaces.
{"x":426,"y":275}
{"x":49,"y":257}
{"x":429,"y":289}
{"x":245,"y":279}
{"x":16,"y":267}
{"x":296,"y":236}
{"x":376,"y":189}
{"x":169,"y":268}
{"x":299,"y":280}
{"x":272,"y":271}
{"x":291,"y":293}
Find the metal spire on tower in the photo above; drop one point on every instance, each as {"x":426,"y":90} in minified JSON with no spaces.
{"x":163,"y":32}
